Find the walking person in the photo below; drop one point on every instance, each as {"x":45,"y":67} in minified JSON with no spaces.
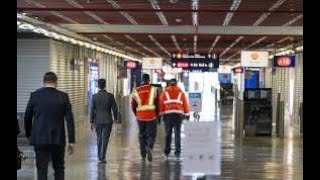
{"x":174,"y":108}
{"x":101,"y":118}
{"x":144,"y":105}
{"x":44,"y":123}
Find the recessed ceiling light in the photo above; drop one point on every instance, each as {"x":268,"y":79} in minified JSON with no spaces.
{"x":178,"y":20}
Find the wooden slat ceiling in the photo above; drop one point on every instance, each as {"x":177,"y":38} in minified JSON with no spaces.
{"x":247,"y":13}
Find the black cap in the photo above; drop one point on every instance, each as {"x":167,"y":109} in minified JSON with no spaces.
{"x":173,"y":81}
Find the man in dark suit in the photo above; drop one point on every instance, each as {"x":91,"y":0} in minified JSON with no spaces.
{"x":101,"y":118}
{"x":45,"y":114}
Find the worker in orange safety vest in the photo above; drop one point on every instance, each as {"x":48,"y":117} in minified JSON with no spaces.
{"x":144,"y":104}
{"x":174,"y":108}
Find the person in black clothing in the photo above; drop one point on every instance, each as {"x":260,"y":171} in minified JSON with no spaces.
{"x":45,"y":116}
{"x":101,"y":118}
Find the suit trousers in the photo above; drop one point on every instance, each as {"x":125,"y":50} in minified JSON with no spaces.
{"x":103,"y":133}
{"x":147,"y":135}
{"x":173,"y":121}
{"x":43,"y":155}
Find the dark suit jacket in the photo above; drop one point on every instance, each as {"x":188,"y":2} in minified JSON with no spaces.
{"x":46,"y":112}
{"x":102,"y":103}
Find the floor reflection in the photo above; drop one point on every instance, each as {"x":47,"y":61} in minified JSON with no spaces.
{"x":249,"y":158}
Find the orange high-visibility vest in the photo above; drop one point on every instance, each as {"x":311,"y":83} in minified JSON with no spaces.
{"x":144,"y":96}
{"x":173,"y":100}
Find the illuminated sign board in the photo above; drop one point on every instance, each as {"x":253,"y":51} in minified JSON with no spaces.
{"x":284,"y":61}
{"x":131,"y":64}
{"x":238,"y":70}
{"x":195,"y":62}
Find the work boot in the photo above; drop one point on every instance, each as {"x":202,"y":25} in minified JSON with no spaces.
{"x":149,"y":155}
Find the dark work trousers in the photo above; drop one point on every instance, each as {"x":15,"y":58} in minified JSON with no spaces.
{"x":147,"y":135}
{"x":173,"y":120}
{"x":46,"y":152}
{"x":103,"y":133}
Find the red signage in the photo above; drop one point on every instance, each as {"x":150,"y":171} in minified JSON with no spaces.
{"x":182,"y":64}
{"x":131,"y":64}
{"x":238,"y":70}
{"x":284,"y":61}
{"x":159,"y":71}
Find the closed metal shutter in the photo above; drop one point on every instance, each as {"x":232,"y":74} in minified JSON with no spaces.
{"x":108,"y":70}
{"x":32,"y":64}
{"x":70,"y":81}
{"x":268,"y":76}
{"x":276,"y":80}
{"x":298,"y":89}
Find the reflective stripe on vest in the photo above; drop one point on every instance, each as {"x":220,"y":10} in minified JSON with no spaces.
{"x":149,"y":105}
{"x":169,"y":100}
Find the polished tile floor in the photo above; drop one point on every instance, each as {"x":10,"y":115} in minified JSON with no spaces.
{"x":242,"y":159}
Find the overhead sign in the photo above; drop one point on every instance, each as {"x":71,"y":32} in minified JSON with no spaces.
{"x":201,"y":148}
{"x":284,"y":61}
{"x":195,"y":62}
{"x":254,"y":58}
{"x":151,"y":63}
{"x":195,"y":102}
{"x":131,"y":64}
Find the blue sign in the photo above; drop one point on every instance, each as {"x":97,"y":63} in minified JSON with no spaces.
{"x":251,"y":79}
{"x":224,"y":78}
{"x":284,"y":61}
{"x":195,"y":62}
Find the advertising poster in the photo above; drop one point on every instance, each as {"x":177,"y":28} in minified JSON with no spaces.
{"x":195,"y":102}
{"x":202,"y":148}
{"x":254,"y":59}
{"x":93,"y":77}
{"x":151,"y":63}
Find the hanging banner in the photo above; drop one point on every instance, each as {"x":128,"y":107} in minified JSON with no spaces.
{"x":284,"y":61}
{"x":195,"y":62}
{"x":201,"y":148}
{"x":254,"y":58}
{"x":151,"y":63}
{"x":93,"y":77}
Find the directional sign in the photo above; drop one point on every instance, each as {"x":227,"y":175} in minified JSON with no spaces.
{"x":195,"y":62}
{"x":202,"y":148}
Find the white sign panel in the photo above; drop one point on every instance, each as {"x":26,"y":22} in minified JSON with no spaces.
{"x":195,"y":102}
{"x":151,"y":63}
{"x":224,"y":69}
{"x":202,"y":148}
{"x":254,"y":58}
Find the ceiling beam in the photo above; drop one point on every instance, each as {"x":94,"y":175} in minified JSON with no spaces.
{"x":207,"y":30}
{"x":103,"y":9}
